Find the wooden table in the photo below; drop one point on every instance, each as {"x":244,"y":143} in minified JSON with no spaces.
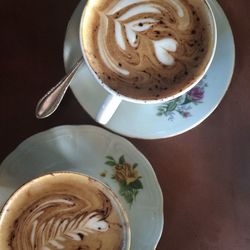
{"x":204,"y":173}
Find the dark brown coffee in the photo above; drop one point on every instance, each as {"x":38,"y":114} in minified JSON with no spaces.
{"x":62,"y":211}
{"x":148,"y":49}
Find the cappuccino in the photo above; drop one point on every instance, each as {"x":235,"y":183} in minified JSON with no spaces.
{"x":147,"y":49}
{"x":63,"y":211}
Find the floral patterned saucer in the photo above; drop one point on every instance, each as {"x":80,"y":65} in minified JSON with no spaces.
{"x":98,"y":153}
{"x":156,"y":121}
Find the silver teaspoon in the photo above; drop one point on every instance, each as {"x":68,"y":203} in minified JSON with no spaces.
{"x":48,"y":104}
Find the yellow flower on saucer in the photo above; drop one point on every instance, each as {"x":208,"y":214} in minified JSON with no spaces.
{"x":125,"y":173}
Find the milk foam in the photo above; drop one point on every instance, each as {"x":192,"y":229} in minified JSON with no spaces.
{"x":70,"y":216}
{"x":134,"y":27}
{"x":148,"y":42}
{"x":122,"y":4}
{"x":161,"y":50}
{"x":105,"y":53}
{"x":140,"y":9}
{"x":89,"y":224}
{"x":126,"y":30}
{"x":60,"y":228}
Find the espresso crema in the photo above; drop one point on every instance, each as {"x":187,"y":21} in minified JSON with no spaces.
{"x":62,"y":212}
{"x":147,"y":49}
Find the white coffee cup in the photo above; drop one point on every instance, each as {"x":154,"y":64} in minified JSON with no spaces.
{"x":28,"y":196}
{"x":113,"y":100}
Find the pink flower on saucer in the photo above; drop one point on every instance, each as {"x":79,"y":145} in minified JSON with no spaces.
{"x":196,"y":94}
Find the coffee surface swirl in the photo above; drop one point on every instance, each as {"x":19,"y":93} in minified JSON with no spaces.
{"x":147,"y":49}
{"x":66,"y":217}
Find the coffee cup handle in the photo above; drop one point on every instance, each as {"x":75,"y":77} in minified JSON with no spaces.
{"x":108,"y":108}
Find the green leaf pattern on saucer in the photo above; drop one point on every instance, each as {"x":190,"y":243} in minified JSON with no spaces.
{"x":127,"y":176}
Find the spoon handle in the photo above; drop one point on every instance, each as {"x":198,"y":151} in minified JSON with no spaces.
{"x":51,"y":100}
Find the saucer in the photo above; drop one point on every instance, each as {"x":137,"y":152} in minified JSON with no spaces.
{"x":156,"y":121}
{"x":98,"y":153}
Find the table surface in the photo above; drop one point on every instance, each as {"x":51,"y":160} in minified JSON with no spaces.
{"x":204,"y":173}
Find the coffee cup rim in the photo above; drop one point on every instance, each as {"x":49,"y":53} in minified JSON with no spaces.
{"x":114,"y":198}
{"x":152,"y":101}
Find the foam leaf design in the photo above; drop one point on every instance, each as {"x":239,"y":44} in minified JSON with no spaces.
{"x":137,"y":26}
{"x":56,"y":233}
{"x":132,"y":27}
{"x":162,"y":47}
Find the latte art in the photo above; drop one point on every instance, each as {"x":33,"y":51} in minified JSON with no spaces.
{"x":147,"y":49}
{"x":70,"y":213}
{"x":139,"y":25}
{"x":50,"y":222}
